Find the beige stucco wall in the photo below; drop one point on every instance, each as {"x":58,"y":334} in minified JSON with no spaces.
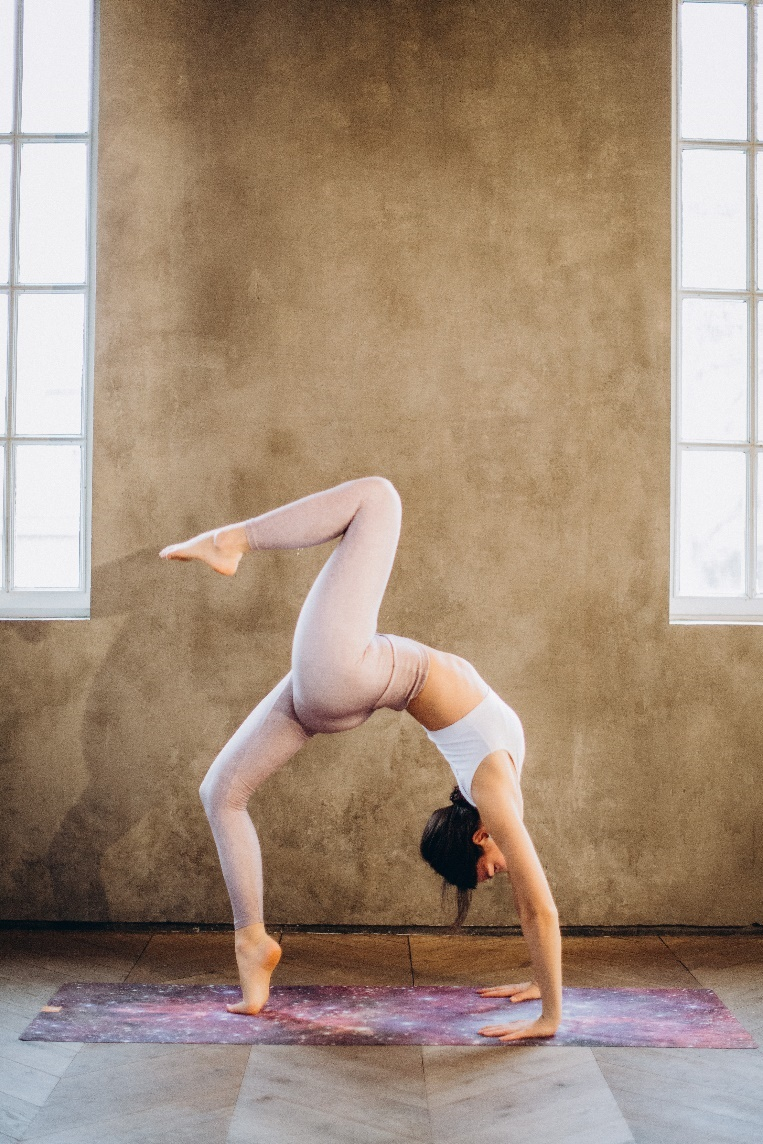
{"x":429,"y":240}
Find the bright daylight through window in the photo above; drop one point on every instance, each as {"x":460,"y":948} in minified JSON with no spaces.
{"x":46,"y":280}
{"x":717,"y":549}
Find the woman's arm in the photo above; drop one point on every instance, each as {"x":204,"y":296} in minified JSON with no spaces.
{"x":495,"y":791}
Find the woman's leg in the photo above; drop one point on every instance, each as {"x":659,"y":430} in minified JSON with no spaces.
{"x":266,"y":740}
{"x":342,"y":670}
{"x":340,"y":666}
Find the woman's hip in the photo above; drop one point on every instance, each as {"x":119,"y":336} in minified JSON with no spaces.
{"x":333,"y":694}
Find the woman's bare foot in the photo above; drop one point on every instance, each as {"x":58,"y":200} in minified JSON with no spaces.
{"x":257,"y":955}
{"x":221,"y":549}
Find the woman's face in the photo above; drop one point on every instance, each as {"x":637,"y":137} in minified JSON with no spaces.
{"x":491,"y":861}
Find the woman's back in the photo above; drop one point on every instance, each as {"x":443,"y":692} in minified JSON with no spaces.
{"x":453,"y":689}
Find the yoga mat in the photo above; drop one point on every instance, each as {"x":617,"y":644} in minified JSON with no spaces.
{"x":365,"y":1015}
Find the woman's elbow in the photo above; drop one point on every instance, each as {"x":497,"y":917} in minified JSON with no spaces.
{"x":539,"y":913}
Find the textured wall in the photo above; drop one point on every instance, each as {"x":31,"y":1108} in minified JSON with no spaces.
{"x":429,"y":240}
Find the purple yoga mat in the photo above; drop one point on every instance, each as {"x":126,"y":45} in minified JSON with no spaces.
{"x":365,"y":1015}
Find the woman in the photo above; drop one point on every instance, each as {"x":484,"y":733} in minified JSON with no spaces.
{"x":342,"y":671}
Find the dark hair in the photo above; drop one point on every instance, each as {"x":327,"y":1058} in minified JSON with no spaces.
{"x":446,"y":844}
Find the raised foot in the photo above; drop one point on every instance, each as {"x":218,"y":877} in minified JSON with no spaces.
{"x":221,"y":549}
{"x":256,"y":962}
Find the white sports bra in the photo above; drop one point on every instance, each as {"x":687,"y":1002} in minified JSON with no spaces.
{"x":490,"y":726}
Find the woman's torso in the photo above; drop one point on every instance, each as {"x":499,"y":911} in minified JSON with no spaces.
{"x":465,"y":719}
{"x":453,"y":688}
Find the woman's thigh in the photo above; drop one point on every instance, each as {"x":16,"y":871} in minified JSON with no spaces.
{"x":340,"y":666}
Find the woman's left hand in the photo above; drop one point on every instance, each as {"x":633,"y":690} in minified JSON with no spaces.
{"x":518,"y":1030}
{"x":526,"y":991}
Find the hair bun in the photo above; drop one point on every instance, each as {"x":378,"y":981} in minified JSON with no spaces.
{"x":458,"y":799}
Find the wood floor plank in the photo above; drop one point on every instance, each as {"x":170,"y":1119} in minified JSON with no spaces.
{"x":637,"y":962}
{"x":111,"y":1057}
{"x":687,"y":1096}
{"x":710,"y":952}
{"x":26,"y":995}
{"x":187,"y":958}
{"x":40,"y":1055}
{"x":108,"y":1088}
{"x":25,"y":1082}
{"x":343,"y":959}
{"x":173,"y":1123}
{"x":60,"y":951}
{"x":733,"y":967}
{"x":463,"y":959}
{"x":523,"y":1095}
{"x":34,"y":964}
{"x":293,"y":1094}
{"x":16,"y":1115}
{"x":51,"y":1057}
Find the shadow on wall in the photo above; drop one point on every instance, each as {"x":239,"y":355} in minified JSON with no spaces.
{"x":183,"y":671}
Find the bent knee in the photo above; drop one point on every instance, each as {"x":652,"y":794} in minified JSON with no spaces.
{"x":223,"y":791}
{"x":215,"y":792}
{"x":382,"y":489}
{"x":208,"y":792}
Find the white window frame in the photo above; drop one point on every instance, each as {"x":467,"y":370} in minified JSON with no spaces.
{"x":48,"y":604}
{"x":746,"y":609}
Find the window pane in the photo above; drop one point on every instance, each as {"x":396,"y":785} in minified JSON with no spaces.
{"x":47,"y":516}
{"x":713,"y":92}
{"x":713,"y":219}
{"x":712,"y":523}
{"x":759,"y":585}
{"x":7,"y":36}
{"x":49,"y":360}
{"x":52,"y":225}
{"x":3,"y":364}
{"x":713,"y":370}
{"x":2,"y":515}
{"x":759,"y":216}
{"x":760,"y":371}
{"x":6,"y":154}
{"x":758,"y":75}
{"x":55,"y":89}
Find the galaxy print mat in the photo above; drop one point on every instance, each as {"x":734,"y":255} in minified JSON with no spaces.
{"x":365,"y":1015}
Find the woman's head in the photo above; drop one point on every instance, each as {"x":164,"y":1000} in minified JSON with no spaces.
{"x":457,"y":846}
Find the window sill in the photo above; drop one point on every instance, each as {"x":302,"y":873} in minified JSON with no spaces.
{"x":42,"y":605}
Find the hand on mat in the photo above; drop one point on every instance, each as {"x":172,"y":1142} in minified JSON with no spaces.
{"x":527,"y":991}
{"x":518,"y":1030}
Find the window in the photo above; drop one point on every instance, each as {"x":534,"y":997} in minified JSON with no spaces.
{"x":717,"y":501}
{"x":46,"y":304}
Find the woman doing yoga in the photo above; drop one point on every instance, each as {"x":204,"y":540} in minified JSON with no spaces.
{"x":342,"y":671}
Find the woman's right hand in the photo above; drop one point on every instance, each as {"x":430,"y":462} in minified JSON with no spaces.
{"x":526,"y":991}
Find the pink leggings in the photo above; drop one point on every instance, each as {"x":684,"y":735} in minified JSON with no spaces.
{"x":342,"y":669}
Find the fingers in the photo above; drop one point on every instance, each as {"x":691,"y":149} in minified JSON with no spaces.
{"x":519,"y":1030}
{"x":526,"y":995}
{"x":507,"y":1032}
{"x":515,"y":992}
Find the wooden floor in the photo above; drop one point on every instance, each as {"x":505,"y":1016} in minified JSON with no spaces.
{"x":211,"y":1094}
